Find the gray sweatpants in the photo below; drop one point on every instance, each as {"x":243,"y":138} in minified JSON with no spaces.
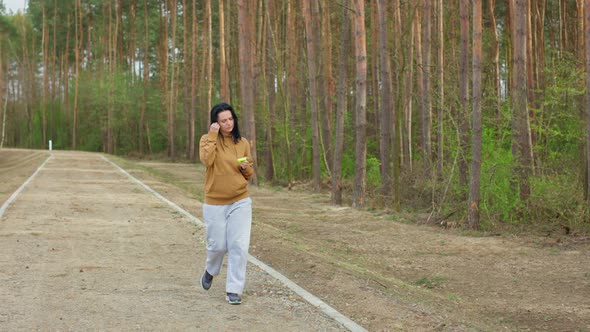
{"x":228,"y":231}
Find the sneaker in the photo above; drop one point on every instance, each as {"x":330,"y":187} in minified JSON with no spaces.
{"x":206,"y":280}
{"x":233,"y":298}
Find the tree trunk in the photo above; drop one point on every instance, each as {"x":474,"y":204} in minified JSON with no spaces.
{"x":342,"y":104}
{"x":246,"y":55}
{"x":186,"y":78}
{"x":53,"y":75}
{"x":78,"y":46}
{"x":112,"y":40}
{"x":3,"y":99}
{"x":474,"y":183}
{"x":193,"y":89}
{"x":209,"y":53}
{"x":3,"y":134}
{"x":386,"y":97}
{"x":360,"y":165}
{"x":373,"y":76}
{"x":223,"y":73}
{"x":312,"y":48}
{"x":327,"y":81}
{"x":292,"y":52}
{"x":521,"y":139}
{"x":464,"y":93}
{"x":420,"y":73}
{"x":146,"y":77}
{"x":441,"y":90}
{"x":66,"y":83}
{"x":495,"y":52}
{"x":172,"y":93}
{"x":530,"y":70}
{"x":426,"y":104}
{"x":587,"y":33}
{"x":132,"y":51}
{"x":271,"y":82}
{"x":44,"y":48}
{"x":409,"y":90}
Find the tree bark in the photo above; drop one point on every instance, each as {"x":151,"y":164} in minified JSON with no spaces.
{"x":292,"y":52}
{"x":360,"y":165}
{"x":521,"y":139}
{"x":146,"y":77}
{"x":426,"y":104}
{"x":223,"y":72}
{"x":186,"y":78}
{"x":271,"y":82}
{"x":172,"y":93}
{"x":312,"y":51}
{"x":441,"y":90}
{"x":209,"y":53}
{"x":386,"y":97}
{"x":193,"y":89}
{"x":409,"y":89}
{"x":132,"y":37}
{"x":3,"y":99}
{"x":396,"y":126}
{"x":341,"y":104}
{"x":327,"y":81}
{"x":474,"y":183}
{"x":78,"y":46}
{"x":246,"y":62}
{"x":495,"y":52}
{"x":66,"y":83}
{"x":464,"y":93}
{"x":587,"y":34}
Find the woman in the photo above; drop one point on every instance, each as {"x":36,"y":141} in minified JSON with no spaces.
{"x":228,"y":208}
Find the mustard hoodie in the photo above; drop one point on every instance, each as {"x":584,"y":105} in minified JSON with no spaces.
{"x":225,"y":181}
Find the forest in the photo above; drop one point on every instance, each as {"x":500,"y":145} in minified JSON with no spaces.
{"x":472,"y":112}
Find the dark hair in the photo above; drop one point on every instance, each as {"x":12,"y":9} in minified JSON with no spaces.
{"x":235,"y":133}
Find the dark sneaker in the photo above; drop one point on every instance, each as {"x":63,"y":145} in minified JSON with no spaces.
{"x":206,"y":280}
{"x":233,"y":298}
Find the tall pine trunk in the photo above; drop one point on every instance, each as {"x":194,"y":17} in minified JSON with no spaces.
{"x":464,"y":93}
{"x":312,"y":64}
{"x":426,"y":104}
{"x":193,"y":82}
{"x":341,"y":104}
{"x":521,"y":139}
{"x":246,"y":63}
{"x":223,"y":73}
{"x":360,"y":164}
{"x":474,"y":183}
{"x":587,"y":34}
{"x":386,"y":97}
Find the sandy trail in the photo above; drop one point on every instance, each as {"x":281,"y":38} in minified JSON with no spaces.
{"x":82,"y":247}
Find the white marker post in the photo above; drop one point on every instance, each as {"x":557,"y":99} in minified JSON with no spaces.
{"x":50,"y":145}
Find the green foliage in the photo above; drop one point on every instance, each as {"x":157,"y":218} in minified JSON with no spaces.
{"x":373,"y":172}
{"x":557,"y":124}
{"x":499,"y":201}
{"x":556,"y":200}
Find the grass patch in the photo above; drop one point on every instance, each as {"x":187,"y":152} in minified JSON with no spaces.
{"x":453,"y":297}
{"x":430,"y":282}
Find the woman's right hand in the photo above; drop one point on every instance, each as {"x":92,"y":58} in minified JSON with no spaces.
{"x":214,"y":127}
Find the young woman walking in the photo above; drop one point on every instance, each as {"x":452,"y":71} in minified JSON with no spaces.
{"x":228,"y":208}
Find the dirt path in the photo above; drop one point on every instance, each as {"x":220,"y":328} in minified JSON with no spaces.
{"x":84,"y":248}
{"x":390,"y":275}
{"x":384,"y":273}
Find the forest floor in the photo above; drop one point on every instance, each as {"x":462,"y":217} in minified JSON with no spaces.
{"x":381,"y":270}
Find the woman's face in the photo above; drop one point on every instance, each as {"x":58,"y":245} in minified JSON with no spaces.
{"x":226,"y":122}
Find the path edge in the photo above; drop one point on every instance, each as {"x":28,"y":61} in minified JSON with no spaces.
{"x":309,"y":297}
